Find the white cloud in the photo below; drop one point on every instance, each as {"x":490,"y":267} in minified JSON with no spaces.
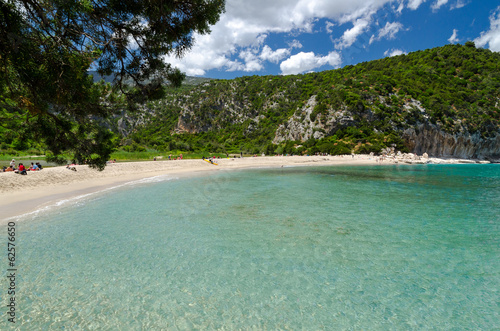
{"x":238,"y":41}
{"x":453,"y":39}
{"x":394,"y":52}
{"x":247,"y":24}
{"x":491,"y":37}
{"x":389,"y":31}
{"x":414,"y":4}
{"x":304,"y":62}
{"x":351,"y":35}
{"x":273,"y":56}
{"x":459,"y":4}
{"x":251,"y":60}
{"x":295,"y":44}
{"x":438,"y":4}
{"x":231,"y":66}
{"x":329,"y":26}
{"x":400,"y":7}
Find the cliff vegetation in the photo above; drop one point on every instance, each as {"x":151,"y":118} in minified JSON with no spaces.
{"x":444,"y":101}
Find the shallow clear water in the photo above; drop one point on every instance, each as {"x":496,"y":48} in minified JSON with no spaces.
{"x":379,"y":248}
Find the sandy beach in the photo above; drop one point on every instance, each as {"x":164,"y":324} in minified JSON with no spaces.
{"x":23,"y":194}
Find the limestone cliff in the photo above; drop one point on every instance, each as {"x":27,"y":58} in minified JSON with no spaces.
{"x":443,"y":102}
{"x":420,"y":138}
{"x":301,"y":126}
{"x":428,"y":138}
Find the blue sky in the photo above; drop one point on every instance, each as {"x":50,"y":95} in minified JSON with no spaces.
{"x":281,"y":37}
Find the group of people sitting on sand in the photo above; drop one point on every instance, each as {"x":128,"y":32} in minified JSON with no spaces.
{"x":71,"y":166}
{"x":21,"y":169}
{"x":170,"y":157}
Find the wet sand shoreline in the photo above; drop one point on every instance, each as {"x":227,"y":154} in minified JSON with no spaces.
{"x":20,"y":195}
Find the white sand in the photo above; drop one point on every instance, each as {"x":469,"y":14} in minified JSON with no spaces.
{"x":23,"y":194}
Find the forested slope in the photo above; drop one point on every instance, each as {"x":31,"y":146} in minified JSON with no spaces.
{"x":444,"y":101}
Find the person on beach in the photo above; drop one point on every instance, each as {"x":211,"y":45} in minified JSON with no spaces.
{"x":10,"y":168}
{"x":13,"y":163}
{"x":21,"y":170}
{"x":39,"y":166}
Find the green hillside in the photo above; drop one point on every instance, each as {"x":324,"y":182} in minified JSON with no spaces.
{"x":445,"y":101}
{"x":188,"y":81}
{"x":454,"y":89}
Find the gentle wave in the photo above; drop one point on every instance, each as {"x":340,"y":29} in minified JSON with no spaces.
{"x":73,"y":201}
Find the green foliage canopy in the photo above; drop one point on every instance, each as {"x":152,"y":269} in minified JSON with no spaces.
{"x":455,"y":88}
{"x":47,"y":48}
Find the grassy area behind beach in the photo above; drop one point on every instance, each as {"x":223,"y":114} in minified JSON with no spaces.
{"x":119,"y":156}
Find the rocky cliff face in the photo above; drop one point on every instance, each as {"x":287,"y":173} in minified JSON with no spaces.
{"x":422,"y":138}
{"x":301,"y":126}
{"x":427,"y":138}
{"x":271,"y":113}
{"x":202,"y":114}
{"x":431,"y":101}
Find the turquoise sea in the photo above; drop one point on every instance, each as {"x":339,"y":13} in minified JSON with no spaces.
{"x":305,"y":248}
